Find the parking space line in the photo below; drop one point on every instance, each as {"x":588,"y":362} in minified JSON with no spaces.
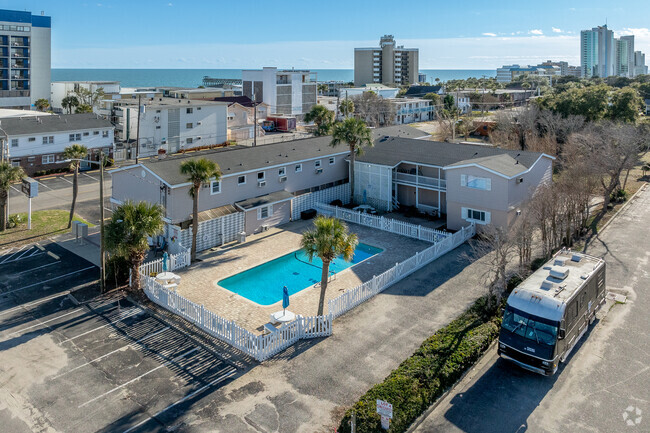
{"x":33,"y":269}
{"x":112,"y":352}
{"x":42,"y":184}
{"x":15,"y":189}
{"x":13,"y":253}
{"x":37,"y":253}
{"x":90,"y":177}
{"x":139,"y":377}
{"x":40,"y":301}
{"x":40,"y":323}
{"x":46,"y":281}
{"x":187,"y":397}
{"x":63,"y":178}
{"x":130,"y":313}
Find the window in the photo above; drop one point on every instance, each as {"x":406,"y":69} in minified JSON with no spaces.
{"x":189,"y":125}
{"x":104,"y":134}
{"x":477,"y":216}
{"x":157,"y":126}
{"x":32,"y":139}
{"x":260,"y":175}
{"x":317,"y":163}
{"x":282,"y":171}
{"x":241,"y":180}
{"x":298,"y":168}
{"x":482,"y":183}
{"x":48,"y":159}
{"x":198,"y":108}
{"x":86,"y":134}
{"x":215,"y":187}
{"x":48,"y":140}
{"x":74,"y":137}
{"x":95,"y":132}
{"x":332,"y":160}
{"x":189,"y":110}
{"x":189,"y":140}
{"x":264,"y":212}
{"x":14,"y":142}
{"x":15,"y":162}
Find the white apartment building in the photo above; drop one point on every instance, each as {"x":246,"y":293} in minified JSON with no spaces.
{"x":169,"y":124}
{"x":289,"y":92}
{"x":36,"y":143}
{"x":409,"y":110}
{"x":61,"y":89}
{"x":597,"y":52}
{"x":387,"y":64}
{"x":25,"y":58}
{"x":381,"y":91}
{"x":625,"y":56}
{"x":640,"y":67}
{"x":547,"y":70}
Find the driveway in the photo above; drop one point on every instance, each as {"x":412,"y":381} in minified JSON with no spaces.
{"x":605,"y":386}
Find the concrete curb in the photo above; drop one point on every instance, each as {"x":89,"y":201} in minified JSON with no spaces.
{"x":488,"y":353}
{"x":627,"y":203}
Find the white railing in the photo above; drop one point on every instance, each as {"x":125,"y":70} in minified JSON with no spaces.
{"x":382,"y":223}
{"x":420,"y":180}
{"x":352,"y":298}
{"x":176,"y":261}
{"x":260,"y":347}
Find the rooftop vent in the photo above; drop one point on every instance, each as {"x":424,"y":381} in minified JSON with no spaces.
{"x":576,"y":258}
{"x":559,"y":272}
{"x":560,"y":262}
{"x":547,"y":285}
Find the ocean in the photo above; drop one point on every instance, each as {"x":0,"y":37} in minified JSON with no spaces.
{"x":194,"y":77}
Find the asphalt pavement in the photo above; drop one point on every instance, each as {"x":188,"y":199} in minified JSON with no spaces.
{"x":604,"y":386}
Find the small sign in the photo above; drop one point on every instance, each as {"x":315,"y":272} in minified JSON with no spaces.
{"x":385,"y":409}
{"x":30,"y":187}
{"x":385,"y":422}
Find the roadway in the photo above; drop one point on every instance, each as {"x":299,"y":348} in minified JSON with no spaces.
{"x":605,"y":386}
{"x":55,"y":192}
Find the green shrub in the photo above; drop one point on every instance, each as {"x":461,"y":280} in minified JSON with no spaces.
{"x":537,"y":263}
{"x":14,"y":220}
{"x":513,"y":282}
{"x":117,"y":271}
{"x":618,"y":196}
{"x":422,"y":378}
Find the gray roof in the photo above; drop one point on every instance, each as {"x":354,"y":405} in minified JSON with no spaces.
{"x":398,"y":131}
{"x":393,"y":150}
{"x":47,"y":124}
{"x":238,"y":159}
{"x":262,"y":200}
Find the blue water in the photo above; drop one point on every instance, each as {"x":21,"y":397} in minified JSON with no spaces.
{"x":263,"y":284}
{"x":194,"y":77}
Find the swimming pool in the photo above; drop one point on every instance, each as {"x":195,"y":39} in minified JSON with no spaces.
{"x":263,"y":284}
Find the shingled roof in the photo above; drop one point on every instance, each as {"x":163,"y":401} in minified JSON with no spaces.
{"x":47,"y":124}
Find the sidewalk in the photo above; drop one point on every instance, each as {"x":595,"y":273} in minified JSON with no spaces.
{"x":89,"y":250}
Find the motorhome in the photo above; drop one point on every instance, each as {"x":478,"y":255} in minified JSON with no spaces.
{"x":548,"y":313}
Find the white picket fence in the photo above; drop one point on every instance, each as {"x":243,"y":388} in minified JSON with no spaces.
{"x":352,"y":298}
{"x":382,"y":223}
{"x":260,"y":347}
{"x":176,"y":261}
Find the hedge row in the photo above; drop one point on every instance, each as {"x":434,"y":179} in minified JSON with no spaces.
{"x":422,"y":378}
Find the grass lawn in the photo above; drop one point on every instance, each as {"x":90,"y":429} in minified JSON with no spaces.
{"x":45,"y":223}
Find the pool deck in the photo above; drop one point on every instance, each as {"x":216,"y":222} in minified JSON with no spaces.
{"x":199,"y":282}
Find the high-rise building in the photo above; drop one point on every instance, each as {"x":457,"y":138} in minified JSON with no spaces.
{"x":289,"y":91}
{"x":597,"y":52}
{"x":387,"y":64}
{"x":25,"y":58}
{"x":625,"y":56}
{"x":639,"y":64}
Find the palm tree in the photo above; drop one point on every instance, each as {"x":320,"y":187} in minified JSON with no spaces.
{"x":329,"y":239}
{"x":70,"y":102}
{"x":346,"y":107}
{"x":42,"y":104}
{"x":322,"y":117}
{"x":8,"y":175}
{"x":198,"y":172}
{"x":74,"y":153}
{"x":357,"y":135}
{"x":127,"y":232}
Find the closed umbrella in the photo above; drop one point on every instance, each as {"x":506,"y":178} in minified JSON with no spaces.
{"x":285,"y":299}
{"x":164,"y":260}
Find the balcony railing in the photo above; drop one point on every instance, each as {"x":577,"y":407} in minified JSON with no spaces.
{"x":14,"y":93}
{"x":418,"y":180}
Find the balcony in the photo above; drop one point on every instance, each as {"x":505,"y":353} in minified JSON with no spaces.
{"x":421,"y":181}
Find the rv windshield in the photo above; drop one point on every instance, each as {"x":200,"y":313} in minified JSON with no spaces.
{"x":540,"y":330}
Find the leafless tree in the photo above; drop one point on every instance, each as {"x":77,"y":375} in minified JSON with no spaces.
{"x":373,"y":109}
{"x":447,"y":121}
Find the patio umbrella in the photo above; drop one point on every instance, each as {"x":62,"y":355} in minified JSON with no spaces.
{"x":285,"y":299}
{"x":165,"y":257}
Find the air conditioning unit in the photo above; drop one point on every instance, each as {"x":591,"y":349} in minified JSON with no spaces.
{"x":199,"y":137}
{"x":282,"y":179}
{"x":520,"y":180}
{"x":261,"y":183}
{"x":319,"y":170}
{"x":265,"y":227}
{"x":198,"y":123}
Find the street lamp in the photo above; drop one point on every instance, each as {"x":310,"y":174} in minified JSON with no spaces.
{"x":102,"y":261}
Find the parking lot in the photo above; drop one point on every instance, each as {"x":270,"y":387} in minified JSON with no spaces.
{"x":100,"y":365}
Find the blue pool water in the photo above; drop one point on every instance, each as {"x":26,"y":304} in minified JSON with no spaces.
{"x":263,"y":284}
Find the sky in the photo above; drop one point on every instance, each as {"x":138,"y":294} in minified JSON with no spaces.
{"x":224,"y":34}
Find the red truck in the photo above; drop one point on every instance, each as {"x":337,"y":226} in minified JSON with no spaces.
{"x":283,"y":123}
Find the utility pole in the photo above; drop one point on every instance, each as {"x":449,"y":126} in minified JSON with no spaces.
{"x":254,"y":121}
{"x":102,"y":256}
{"x":137,"y":134}
{"x":346,"y":105}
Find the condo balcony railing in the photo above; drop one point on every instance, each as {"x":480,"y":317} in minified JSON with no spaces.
{"x":420,"y":180}
{"x":14,"y":93}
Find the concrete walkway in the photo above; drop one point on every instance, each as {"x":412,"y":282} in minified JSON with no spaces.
{"x":88,"y":250}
